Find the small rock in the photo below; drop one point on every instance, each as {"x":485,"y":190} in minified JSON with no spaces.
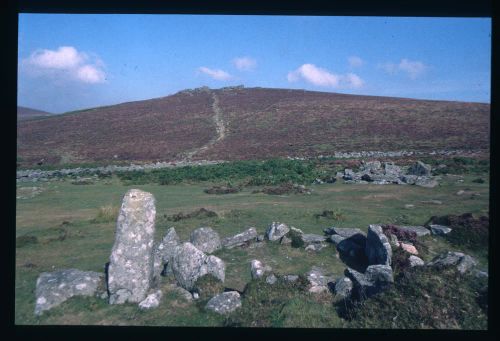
{"x":271,"y":279}
{"x":415,"y":261}
{"x":151,"y":301}
{"x":291,"y":278}
{"x":409,"y":248}
{"x":276,"y":230}
{"x":258,"y":269}
{"x":439,"y":230}
{"x":343,"y":287}
{"x":224,"y":303}
{"x":409,"y":206}
{"x":460,"y":192}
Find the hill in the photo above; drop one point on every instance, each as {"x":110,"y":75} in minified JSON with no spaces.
{"x":24,"y":113}
{"x":251,"y":123}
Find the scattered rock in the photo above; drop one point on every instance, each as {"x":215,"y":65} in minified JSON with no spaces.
{"x":224,"y":303}
{"x":345,"y":232}
{"x":432,"y":202}
{"x":409,"y":206}
{"x":315,"y":247}
{"x":462,"y":262}
{"x":53,"y":288}
{"x":258,"y":269}
{"x":318,"y":281}
{"x":205,"y":239}
{"x":276,"y":230}
{"x":291,"y":278}
{"x":336,"y":239}
{"x":460,"y":192}
{"x":313,"y":238}
{"x":190,"y":263}
{"x":394,"y":241}
{"x":343,"y":287}
{"x":439,"y":230}
{"x":375,"y":279}
{"x":378,"y":249}
{"x":285,"y":240}
{"x":240,"y":239}
{"x":415,"y":261}
{"x":426,"y":182}
{"x":163,"y":253}
{"x":130,"y":270}
{"x":151,"y":301}
{"x":260,"y":238}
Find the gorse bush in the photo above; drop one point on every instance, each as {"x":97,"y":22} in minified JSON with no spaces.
{"x":251,"y":173}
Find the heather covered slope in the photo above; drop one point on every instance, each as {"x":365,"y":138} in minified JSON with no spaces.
{"x":24,"y":113}
{"x":252,"y":123}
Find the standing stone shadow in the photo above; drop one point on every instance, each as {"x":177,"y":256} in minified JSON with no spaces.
{"x":352,"y":252}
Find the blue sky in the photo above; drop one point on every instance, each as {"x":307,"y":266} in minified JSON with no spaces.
{"x":70,"y":62}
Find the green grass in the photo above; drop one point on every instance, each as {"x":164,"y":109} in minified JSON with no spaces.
{"x":74,"y":231}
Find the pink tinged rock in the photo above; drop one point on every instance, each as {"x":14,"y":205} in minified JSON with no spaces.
{"x":409,"y":248}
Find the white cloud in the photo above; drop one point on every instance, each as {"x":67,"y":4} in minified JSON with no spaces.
{"x":65,"y":62}
{"x":245,"y":63}
{"x":412,"y":68}
{"x":355,"y":61}
{"x":322,"y":77}
{"x":217,"y":74}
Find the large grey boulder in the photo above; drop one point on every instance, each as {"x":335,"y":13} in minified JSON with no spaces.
{"x":378,"y":249}
{"x":205,"y":239}
{"x":419,"y":230}
{"x":258,"y":269}
{"x":224,"y":303}
{"x":318,"y":280}
{"x":53,"y":288}
{"x":461,"y":261}
{"x":420,"y":169}
{"x":130,"y":271}
{"x":343,"y":287}
{"x":276,"y":230}
{"x":189,"y":263}
{"x":375,"y":279}
{"x":240,"y":238}
{"x":345,"y":232}
{"x":309,"y":238}
{"x":163,"y":253}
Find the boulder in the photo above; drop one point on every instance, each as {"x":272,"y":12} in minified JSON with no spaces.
{"x":205,"y":239}
{"x":151,"y":301}
{"x":439,"y":230}
{"x":53,"y":288}
{"x":189,"y":263}
{"x":343,"y":287}
{"x":163,"y":253}
{"x":258,"y":269}
{"x":285,"y":240}
{"x":224,"y":303}
{"x":315,"y":247}
{"x":420,"y":169}
{"x":426,"y":182}
{"x":312,"y":238}
{"x":378,"y":249}
{"x":130,"y":271}
{"x":240,"y":238}
{"x":375,"y":279}
{"x":415,"y":261}
{"x":318,"y":281}
{"x":336,"y":239}
{"x":461,"y":261}
{"x":419,"y":230}
{"x":291,"y":278}
{"x":276,"y":230}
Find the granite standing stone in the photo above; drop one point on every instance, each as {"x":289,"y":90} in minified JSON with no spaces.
{"x":130,"y":271}
{"x":276,"y":230}
{"x":378,"y":249}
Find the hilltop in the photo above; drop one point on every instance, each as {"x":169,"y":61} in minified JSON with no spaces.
{"x":237,"y":123}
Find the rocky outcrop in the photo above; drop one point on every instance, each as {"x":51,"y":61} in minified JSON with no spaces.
{"x":205,"y":239}
{"x":378,"y":249}
{"x":53,"y":288}
{"x":240,"y":238}
{"x":189,"y":263}
{"x":224,"y":303}
{"x":130,"y":270}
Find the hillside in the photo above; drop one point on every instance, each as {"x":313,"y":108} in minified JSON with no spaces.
{"x":251,"y":123}
{"x":24,"y":113}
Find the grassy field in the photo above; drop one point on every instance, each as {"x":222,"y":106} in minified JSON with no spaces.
{"x":73,"y":227}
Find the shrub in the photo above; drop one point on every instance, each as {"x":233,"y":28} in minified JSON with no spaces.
{"x":200,"y":213}
{"x":106,"y":214}
{"x":402,"y":235}
{"x":296,"y":238}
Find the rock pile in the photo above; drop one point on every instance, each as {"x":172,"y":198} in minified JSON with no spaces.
{"x":388,"y":173}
